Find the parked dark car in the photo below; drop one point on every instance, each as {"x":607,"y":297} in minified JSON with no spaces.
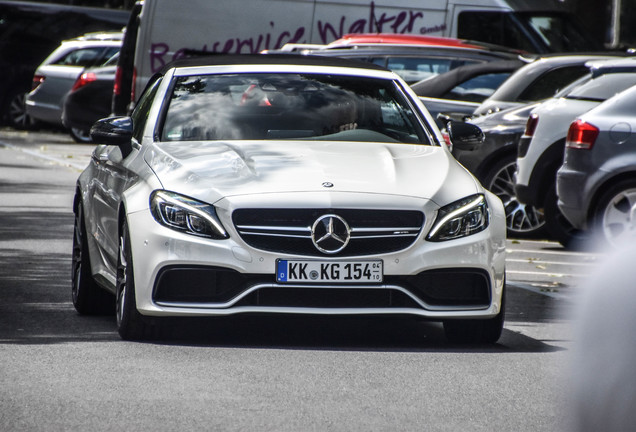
{"x":89,"y":100}
{"x":457,"y":93}
{"x":29,"y":32}
{"x":494,"y":163}
{"x":596,"y":184}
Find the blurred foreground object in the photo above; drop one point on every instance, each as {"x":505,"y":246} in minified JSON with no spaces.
{"x":603,"y":374}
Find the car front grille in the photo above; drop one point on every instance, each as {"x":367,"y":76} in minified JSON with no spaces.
{"x":289,"y":231}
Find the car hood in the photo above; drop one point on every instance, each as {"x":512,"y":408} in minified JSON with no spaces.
{"x":212,"y":170}
{"x":509,"y":120}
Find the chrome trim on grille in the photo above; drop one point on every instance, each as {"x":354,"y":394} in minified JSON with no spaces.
{"x":292,"y":231}
{"x":269,"y":231}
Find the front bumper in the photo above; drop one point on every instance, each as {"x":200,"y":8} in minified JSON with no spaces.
{"x":571,"y":187}
{"x":182,"y":275}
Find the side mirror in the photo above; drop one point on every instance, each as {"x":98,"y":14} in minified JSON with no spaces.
{"x":116,"y":131}
{"x":464,"y":136}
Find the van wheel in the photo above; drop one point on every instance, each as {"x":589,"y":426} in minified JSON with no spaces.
{"x":522,"y":220}
{"x":615,"y":214}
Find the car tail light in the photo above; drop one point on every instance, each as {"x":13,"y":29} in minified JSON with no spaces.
{"x":531,"y":125}
{"x":447,"y":139}
{"x":118,"y":78}
{"x":37,"y":80}
{"x":134,"y":84}
{"x":581,"y":135}
{"x":84,"y":79}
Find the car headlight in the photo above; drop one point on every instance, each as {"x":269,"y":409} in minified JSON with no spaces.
{"x":460,"y":219}
{"x":186,"y":214}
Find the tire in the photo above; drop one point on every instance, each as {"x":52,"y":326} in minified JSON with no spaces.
{"x":88,"y":298}
{"x":558,"y":227}
{"x":477,"y":331}
{"x":131,"y":325}
{"x":615,"y":214}
{"x":17,"y":116}
{"x":521,"y":220}
{"x":80,"y":136}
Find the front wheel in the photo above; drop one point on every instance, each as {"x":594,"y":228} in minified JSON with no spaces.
{"x":477,"y":331}
{"x":131,"y":325}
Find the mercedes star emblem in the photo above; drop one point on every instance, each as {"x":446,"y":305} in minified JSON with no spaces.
{"x":330,"y":234}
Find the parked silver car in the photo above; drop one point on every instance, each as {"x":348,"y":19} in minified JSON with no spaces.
{"x":58,"y":72}
{"x":596,"y":184}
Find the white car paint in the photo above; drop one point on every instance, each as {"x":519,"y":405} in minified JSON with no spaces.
{"x":555,"y":116}
{"x":285,"y":174}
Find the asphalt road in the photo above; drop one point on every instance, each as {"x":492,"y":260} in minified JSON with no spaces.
{"x":61,"y":371}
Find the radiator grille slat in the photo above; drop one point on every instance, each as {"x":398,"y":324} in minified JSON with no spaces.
{"x":289,"y":231}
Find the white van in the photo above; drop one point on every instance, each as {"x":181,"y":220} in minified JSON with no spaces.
{"x":167,"y":29}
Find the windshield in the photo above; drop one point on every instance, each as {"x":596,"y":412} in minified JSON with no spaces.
{"x":557,"y":31}
{"x":290,"y":106}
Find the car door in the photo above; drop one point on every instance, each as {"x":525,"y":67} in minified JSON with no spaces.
{"x":113,"y":177}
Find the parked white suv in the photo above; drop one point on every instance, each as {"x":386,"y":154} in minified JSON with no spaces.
{"x":58,"y":72}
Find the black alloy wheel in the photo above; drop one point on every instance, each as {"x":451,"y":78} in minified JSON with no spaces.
{"x":17,"y":116}
{"x":88,"y":298}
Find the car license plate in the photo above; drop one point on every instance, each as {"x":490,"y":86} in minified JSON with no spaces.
{"x":329,"y":271}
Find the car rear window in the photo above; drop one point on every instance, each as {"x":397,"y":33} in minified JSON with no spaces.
{"x":478,"y":88}
{"x":87,"y":57}
{"x":290,"y":106}
{"x":414,"y":69}
{"x":603,"y":87}
{"x":548,"y":84}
